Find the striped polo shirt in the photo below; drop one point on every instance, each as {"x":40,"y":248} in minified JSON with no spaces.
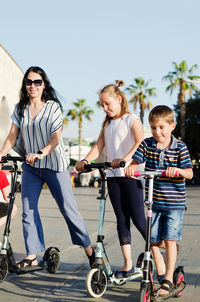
{"x":168,"y":193}
{"x":36,"y":134}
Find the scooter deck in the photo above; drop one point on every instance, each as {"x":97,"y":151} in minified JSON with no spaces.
{"x":176,"y":291}
{"x":121,"y":281}
{"x":30,"y":269}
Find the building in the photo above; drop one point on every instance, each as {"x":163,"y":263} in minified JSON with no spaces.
{"x":11,"y":76}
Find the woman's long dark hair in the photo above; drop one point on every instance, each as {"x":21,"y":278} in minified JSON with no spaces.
{"x":48,"y":92}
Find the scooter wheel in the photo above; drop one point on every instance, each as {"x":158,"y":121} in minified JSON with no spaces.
{"x":52,"y":260}
{"x":145,"y":294}
{"x":96,"y":282}
{"x":178,"y":278}
{"x":3,"y":267}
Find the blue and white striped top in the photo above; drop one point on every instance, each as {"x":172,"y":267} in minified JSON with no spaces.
{"x":168,"y":193}
{"x":36,"y":134}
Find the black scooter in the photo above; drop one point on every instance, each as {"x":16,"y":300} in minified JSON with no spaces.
{"x":51,"y":258}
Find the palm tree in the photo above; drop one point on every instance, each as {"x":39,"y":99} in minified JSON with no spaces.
{"x":78,"y":113}
{"x":140,"y":95}
{"x":178,"y":79}
{"x":98,"y":104}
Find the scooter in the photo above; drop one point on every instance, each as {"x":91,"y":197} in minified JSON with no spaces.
{"x":51,"y":258}
{"x":99,"y":276}
{"x":148,"y":291}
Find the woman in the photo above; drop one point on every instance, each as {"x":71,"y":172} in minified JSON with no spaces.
{"x":38,"y":119}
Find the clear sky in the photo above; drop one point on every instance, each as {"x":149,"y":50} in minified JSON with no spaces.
{"x":86,"y":44}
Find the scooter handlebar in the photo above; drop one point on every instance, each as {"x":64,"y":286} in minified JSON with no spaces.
{"x":89,"y":167}
{"x":156,"y":173}
{"x":8,"y":157}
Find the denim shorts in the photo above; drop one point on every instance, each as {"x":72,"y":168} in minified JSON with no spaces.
{"x":166,"y":225}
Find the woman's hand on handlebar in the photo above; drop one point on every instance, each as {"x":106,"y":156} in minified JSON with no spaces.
{"x":32,"y":157}
{"x":116,"y":162}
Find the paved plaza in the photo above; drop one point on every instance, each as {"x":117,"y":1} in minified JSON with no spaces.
{"x":68,"y":284}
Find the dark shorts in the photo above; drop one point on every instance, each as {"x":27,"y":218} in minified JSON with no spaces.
{"x":3,"y":209}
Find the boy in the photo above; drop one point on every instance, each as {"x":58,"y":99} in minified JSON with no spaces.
{"x":163,"y":151}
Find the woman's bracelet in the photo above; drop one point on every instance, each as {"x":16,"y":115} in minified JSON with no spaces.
{"x":85,"y":160}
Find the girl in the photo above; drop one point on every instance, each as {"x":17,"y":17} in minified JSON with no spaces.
{"x":121,"y":131}
{"x":38,"y":119}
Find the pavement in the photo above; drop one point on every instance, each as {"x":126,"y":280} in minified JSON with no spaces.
{"x":68,"y":284}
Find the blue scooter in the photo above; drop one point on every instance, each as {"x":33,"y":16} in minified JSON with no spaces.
{"x":98,"y":277}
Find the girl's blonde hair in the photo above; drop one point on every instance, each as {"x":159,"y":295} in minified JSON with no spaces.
{"x":114,"y":91}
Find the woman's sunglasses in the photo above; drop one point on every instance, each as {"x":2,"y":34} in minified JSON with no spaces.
{"x":35,"y":82}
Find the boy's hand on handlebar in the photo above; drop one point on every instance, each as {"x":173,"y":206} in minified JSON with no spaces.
{"x":129,"y":171}
{"x":116,"y":162}
{"x":172,"y":172}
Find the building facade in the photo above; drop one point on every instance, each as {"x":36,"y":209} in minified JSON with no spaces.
{"x":11,"y":76}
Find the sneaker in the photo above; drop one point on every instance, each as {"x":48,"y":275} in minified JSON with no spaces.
{"x":124,"y":274}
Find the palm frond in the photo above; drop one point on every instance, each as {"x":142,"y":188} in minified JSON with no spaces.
{"x":98,"y":104}
{"x":194,"y":87}
{"x":139,"y":92}
{"x":193,"y":67}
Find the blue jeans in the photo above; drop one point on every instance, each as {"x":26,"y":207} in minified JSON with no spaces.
{"x":61,"y":189}
{"x":166,"y":225}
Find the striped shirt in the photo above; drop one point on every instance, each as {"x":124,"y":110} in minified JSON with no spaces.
{"x":168,"y":193}
{"x":36,"y":134}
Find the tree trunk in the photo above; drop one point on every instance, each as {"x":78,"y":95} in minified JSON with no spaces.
{"x":181,"y":105}
{"x":79,"y":139}
{"x":141,"y":111}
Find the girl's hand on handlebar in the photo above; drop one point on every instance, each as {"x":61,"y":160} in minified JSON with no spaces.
{"x":116,"y":162}
{"x":129,"y":171}
{"x":172,"y":172}
{"x":32,"y":157}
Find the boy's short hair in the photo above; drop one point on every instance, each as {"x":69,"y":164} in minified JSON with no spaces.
{"x":161,"y":111}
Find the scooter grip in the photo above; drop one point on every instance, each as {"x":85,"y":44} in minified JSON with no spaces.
{"x":122,"y":164}
{"x":137,"y":173}
{"x":175,"y":175}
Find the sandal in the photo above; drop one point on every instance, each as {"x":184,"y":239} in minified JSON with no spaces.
{"x":26,"y":261}
{"x":168,"y":289}
{"x":92,"y":259}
